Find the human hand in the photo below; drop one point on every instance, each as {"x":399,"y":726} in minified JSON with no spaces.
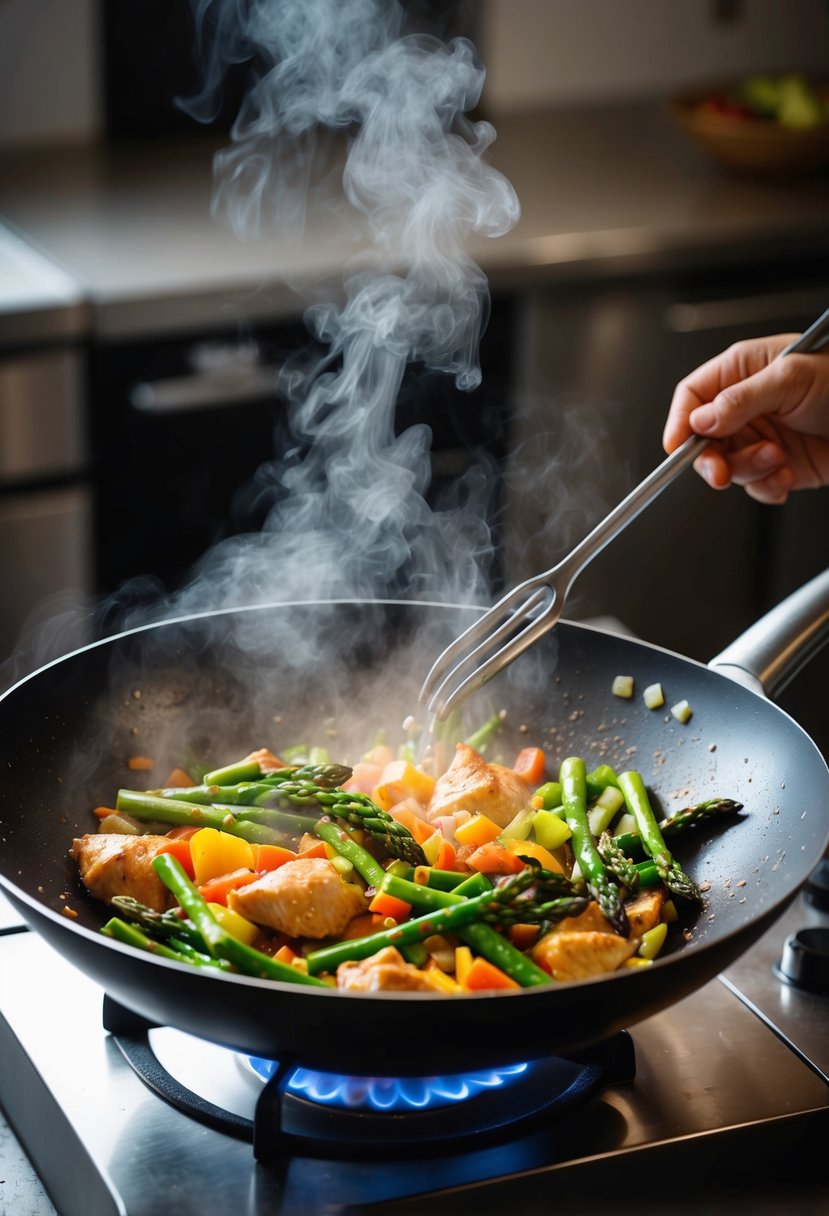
{"x":769,"y":417}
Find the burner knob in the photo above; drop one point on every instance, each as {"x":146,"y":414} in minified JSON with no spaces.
{"x":816,"y":890}
{"x":805,"y":960}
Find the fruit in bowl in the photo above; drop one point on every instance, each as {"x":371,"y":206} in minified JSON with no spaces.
{"x":762,"y":123}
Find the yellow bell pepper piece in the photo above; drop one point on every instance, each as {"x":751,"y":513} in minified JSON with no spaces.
{"x":215,"y":853}
{"x":463,"y":961}
{"x":442,"y":981}
{"x":653,"y":941}
{"x":401,"y":780}
{"x":431,"y":846}
{"x":531,"y":848}
{"x":234,"y":924}
{"x":477,"y":831}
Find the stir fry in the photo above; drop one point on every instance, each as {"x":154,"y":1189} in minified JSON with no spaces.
{"x":386,"y":877}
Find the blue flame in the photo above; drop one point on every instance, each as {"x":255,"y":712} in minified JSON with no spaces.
{"x":389,"y":1093}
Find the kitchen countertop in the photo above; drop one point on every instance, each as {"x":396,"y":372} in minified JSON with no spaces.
{"x":603,"y":191}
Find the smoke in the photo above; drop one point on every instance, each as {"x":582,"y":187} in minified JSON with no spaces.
{"x":353,"y":122}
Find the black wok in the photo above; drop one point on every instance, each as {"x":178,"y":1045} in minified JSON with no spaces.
{"x":218,"y":684}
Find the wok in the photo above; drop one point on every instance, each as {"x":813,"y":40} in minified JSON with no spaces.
{"x":220,"y":683}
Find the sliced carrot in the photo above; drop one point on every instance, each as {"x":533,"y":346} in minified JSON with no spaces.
{"x":313,"y":850}
{"x":531,"y":765}
{"x":271,"y":856}
{"x":101,"y":812}
{"x":286,"y":955}
{"x":446,"y":857}
{"x":180,"y":849}
{"x":523,"y":936}
{"x":181,"y":832}
{"x":363,"y":926}
{"x":180,"y":780}
{"x":406,"y":814}
{"x":389,"y":905}
{"x":140,"y":764}
{"x":493,"y":858}
{"x":483,"y":975}
{"x":215,"y":889}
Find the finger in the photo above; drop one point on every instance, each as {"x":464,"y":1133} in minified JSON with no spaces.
{"x":706,"y":382}
{"x":714,"y":468}
{"x":772,"y":391}
{"x":755,"y":462}
{"x":773,"y":490}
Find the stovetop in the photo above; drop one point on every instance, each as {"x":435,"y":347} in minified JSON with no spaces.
{"x":730,"y":1105}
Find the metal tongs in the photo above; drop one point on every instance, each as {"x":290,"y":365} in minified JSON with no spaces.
{"x":532,"y":608}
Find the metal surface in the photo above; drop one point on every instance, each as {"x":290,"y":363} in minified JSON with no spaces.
{"x":713,"y":1083}
{"x":70,"y":727}
{"x":39,"y":301}
{"x":534,"y":607}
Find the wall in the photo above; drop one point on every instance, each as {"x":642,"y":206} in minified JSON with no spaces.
{"x":550,"y":53}
{"x":48,"y":71}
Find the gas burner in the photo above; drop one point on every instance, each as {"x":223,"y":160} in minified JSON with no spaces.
{"x":395,"y":1095}
{"x":283,"y":1108}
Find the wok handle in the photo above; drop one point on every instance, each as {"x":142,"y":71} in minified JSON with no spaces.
{"x":774,"y":649}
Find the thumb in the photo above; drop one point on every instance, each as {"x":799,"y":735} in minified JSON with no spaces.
{"x":772,"y":390}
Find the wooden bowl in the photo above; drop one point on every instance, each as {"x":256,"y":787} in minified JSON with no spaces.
{"x":753,"y":145}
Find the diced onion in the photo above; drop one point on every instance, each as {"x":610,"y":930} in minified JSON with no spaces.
{"x":653,"y":696}
{"x":681,"y":711}
{"x":623,"y":686}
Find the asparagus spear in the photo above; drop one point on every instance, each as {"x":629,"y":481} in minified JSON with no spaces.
{"x":600,"y":882}
{"x":261,"y":791}
{"x":220,"y":943}
{"x":178,"y":952}
{"x":544,"y":898}
{"x":483,"y":939}
{"x":359,"y":811}
{"x":630,"y":843}
{"x":157,"y":924}
{"x":623,"y":871}
{"x":269,"y":826}
{"x":670,"y":871}
{"x":367,"y":867}
{"x":495,"y":905}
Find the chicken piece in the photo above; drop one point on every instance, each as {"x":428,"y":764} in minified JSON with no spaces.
{"x":645,"y":910}
{"x":472,"y":785}
{"x":113,"y":864}
{"x":581,"y":954}
{"x":303,"y":898}
{"x":591,"y":920}
{"x":386,"y":971}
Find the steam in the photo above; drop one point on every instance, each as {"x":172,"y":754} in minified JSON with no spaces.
{"x":341,"y":83}
{"x":358,"y":125}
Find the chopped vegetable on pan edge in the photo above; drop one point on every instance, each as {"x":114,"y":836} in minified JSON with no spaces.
{"x":388,"y":877}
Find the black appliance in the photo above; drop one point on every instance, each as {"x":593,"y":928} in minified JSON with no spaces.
{"x":184,"y":426}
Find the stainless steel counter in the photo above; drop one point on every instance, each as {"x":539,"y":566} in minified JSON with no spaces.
{"x":601,"y":190}
{"x":38,"y":300}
